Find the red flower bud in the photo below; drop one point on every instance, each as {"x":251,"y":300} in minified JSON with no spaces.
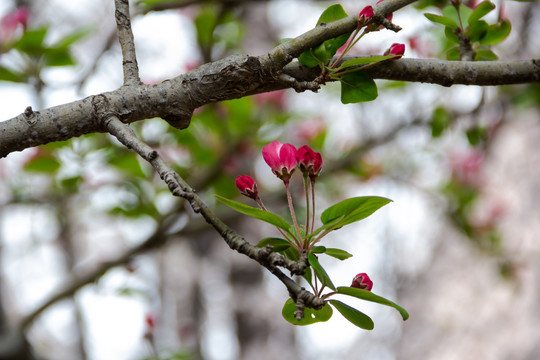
{"x":396,"y":49}
{"x":365,"y":15}
{"x":247,"y":186}
{"x":309,"y":162}
{"x":362,"y":281}
{"x":281,"y":158}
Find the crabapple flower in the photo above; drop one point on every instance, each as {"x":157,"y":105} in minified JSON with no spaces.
{"x":365,"y":15}
{"x":362,"y":281}
{"x":396,"y":49}
{"x":309,"y":162}
{"x":247,"y":186}
{"x":281,"y":158}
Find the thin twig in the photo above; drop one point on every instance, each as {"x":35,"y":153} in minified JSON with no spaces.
{"x":127,"y":44}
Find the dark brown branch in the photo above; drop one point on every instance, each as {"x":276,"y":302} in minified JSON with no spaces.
{"x":127,"y":44}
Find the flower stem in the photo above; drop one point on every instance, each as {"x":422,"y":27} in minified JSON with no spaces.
{"x":306,"y":189}
{"x":313,"y":205}
{"x":289,"y":199}
{"x":294,"y":242}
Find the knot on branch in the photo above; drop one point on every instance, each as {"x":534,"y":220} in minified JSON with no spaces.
{"x":178,"y":118}
{"x":305,"y":299}
{"x":379,"y":19}
{"x":300,"y":86}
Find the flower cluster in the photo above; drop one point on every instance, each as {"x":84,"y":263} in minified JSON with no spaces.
{"x":283,"y":160}
{"x":365,"y":18}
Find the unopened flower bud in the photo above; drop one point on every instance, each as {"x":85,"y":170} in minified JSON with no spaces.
{"x":362,"y":281}
{"x":396,"y":49}
{"x":309,"y":162}
{"x":365,"y":15}
{"x":247,"y":186}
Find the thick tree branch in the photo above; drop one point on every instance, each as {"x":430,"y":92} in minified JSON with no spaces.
{"x":234,"y":77}
{"x":127,"y":44}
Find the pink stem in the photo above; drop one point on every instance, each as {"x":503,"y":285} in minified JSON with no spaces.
{"x":289,"y":199}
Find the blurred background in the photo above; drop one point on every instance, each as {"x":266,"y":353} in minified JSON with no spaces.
{"x":142,"y":277}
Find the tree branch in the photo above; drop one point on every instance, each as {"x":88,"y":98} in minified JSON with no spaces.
{"x":178,"y":187}
{"x":127,"y":44}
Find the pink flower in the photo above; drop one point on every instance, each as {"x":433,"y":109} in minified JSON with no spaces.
{"x":365,"y":15}
{"x":281,"y":158}
{"x":309,"y":162}
{"x":396,"y":49}
{"x":10,"y":23}
{"x":247,"y":186}
{"x":362,"y":281}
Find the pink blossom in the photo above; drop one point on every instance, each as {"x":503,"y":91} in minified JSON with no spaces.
{"x":10,"y":23}
{"x":396,"y":49}
{"x":247,"y":186}
{"x":309,"y":162}
{"x":467,"y":168}
{"x":281,"y":158}
{"x":362,"y":281}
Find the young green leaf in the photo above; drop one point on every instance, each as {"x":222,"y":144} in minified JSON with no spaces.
{"x":485,"y":55}
{"x":311,"y":316}
{"x":277,"y":243}
{"x":365,"y":60}
{"x":357,"y":87}
{"x":318,"y":250}
{"x":369,"y":296}
{"x":464,"y":13}
{"x":337,"y":253}
{"x":354,"y":316}
{"x":441,"y":20}
{"x":320,"y":272}
{"x":43,"y":164}
{"x":265,"y":216}
{"x":496,"y":33}
{"x":480,"y":11}
{"x":327,"y":49}
{"x":352,"y":210}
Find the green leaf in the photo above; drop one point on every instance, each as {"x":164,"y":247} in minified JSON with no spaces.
{"x":338,"y":253}
{"x":321,"y":53}
{"x":308,"y":59}
{"x":486,"y":55}
{"x":441,"y":20}
{"x":453,"y":54}
{"x":9,"y":75}
{"x":478,"y":30}
{"x":73,"y":37}
{"x":369,"y":296}
{"x":356,"y":317}
{"x":277,"y":243}
{"x":43,"y":164}
{"x":357,"y":87}
{"x":352,"y":210}
{"x":320,"y":272}
{"x":58,"y":57}
{"x":481,"y":10}
{"x":451,"y":36}
{"x":311,"y":316}
{"x":31,"y":42}
{"x":440,"y":120}
{"x":496,"y":33}
{"x":333,"y":13}
{"x":464,"y":12}
{"x":318,"y":249}
{"x":265,"y":216}
{"x":365,"y":60}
